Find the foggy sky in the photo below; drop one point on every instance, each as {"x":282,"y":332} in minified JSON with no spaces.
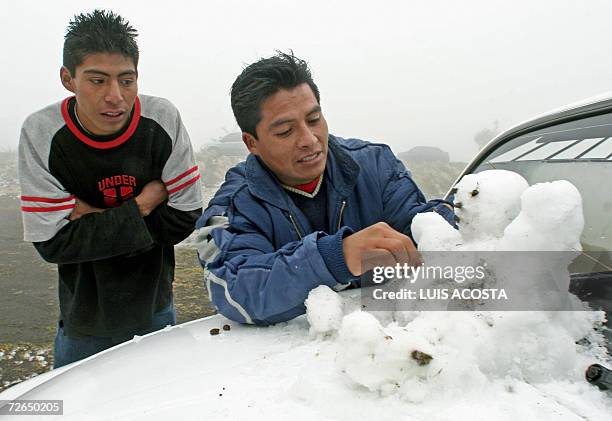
{"x":406,"y":73}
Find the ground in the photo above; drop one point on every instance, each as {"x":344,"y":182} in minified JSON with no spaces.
{"x":32,"y":354}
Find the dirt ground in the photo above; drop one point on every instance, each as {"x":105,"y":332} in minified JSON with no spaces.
{"x":29,"y":304}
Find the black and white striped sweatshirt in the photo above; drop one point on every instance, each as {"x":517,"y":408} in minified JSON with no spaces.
{"x":115,"y":268}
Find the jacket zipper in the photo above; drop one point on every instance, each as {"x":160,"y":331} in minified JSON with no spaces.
{"x":299,"y":233}
{"x":295,"y":226}
{"x":340,"y":217}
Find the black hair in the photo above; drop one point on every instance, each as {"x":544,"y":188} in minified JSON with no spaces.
{"x":100,"y":31}
{"x":262,"y":79}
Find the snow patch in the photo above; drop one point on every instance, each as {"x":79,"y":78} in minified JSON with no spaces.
{"x":323,"y":310}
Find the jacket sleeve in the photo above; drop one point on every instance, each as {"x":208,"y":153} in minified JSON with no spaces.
{"x":181,"y":174}
{"x":173,"y":221}
{"x":402,"y":198}
{"x":247,"y":279}
{"x":45,"y":202}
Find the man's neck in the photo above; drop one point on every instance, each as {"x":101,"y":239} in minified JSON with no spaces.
{"x":309,"y":189}
{"x":76,"y":115}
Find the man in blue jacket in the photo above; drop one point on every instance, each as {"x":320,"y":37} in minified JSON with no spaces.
{"x":306,"y":207}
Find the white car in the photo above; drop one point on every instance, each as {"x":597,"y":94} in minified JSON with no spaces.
{"x":213,"y":369}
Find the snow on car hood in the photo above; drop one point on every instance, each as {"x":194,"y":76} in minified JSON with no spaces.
{"x":278,"y":372}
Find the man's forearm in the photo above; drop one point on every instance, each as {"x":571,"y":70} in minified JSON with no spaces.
{"x":252,"y":283}
{"x":171,"y":226}
{"x":98,"y":235}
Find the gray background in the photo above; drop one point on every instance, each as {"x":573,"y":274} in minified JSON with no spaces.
{"x":402,"y":72}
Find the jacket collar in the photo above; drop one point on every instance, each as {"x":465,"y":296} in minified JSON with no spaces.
{"x":341,"y":173}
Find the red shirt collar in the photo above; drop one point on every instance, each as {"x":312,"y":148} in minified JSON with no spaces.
{"x":308,"y":187}
{"x":83,"y":137}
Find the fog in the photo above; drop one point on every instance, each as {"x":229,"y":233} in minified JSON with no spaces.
{"x":406,"y":73}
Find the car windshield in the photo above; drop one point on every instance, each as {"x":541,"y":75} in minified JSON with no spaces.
{"x":580,"y":152}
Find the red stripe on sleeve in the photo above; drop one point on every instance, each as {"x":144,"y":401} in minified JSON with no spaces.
{"x":46,"y":199}
{"x":48,"y":209}
{"x":185,"y":184}
{"x":185,"y":174}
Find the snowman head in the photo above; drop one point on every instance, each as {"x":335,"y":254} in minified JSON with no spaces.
{"x":486,"y":202}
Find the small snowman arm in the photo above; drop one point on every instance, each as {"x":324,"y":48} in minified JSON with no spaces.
{"x":403,"y":200}
{"x":432,"y":232}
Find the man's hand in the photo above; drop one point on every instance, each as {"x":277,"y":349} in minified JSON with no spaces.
{"x":378,"y":245}
{"x":82,"y":208}
{"x":152,"y":195}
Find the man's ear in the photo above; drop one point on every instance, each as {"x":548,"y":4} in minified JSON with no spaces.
{"x":66,"y":79}
{"x":250,"y":142}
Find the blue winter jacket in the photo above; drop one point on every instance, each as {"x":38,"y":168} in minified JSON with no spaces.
{"x":261,"y":256}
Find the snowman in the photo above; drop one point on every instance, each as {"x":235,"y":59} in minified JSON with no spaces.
{"x":485,"y":204}
{"x":498,"y":211}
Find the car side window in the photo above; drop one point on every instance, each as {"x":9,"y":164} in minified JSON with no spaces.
{"x":579,"y":151}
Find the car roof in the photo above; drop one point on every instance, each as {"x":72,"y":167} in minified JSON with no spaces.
{"x":591,"y":106}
